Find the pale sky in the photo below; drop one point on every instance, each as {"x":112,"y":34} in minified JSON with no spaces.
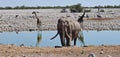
{"x":14,"y":3}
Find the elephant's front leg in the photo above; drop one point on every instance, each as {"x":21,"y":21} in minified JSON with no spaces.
{"x":62,"y":38}
{"x":68,"y":42}
{"x":68,"y":35}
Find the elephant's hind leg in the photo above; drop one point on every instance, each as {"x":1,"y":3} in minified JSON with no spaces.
{"x":75,"y":41}
{"x":75,"y":38}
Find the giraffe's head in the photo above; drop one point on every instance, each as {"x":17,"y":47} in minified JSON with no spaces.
{"x":33,"y":12}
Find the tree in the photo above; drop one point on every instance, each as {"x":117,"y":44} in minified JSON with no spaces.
{"x":8,"y":7}
{"x":76,"y":8}
{"x":22,"y":7}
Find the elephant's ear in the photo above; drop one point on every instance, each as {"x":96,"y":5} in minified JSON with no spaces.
{"x":80,"y":19}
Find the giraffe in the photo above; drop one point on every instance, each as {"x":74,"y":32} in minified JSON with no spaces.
{"x":39,"y":23}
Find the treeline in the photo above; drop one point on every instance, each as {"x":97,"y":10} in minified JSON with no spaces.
{"x":72,"y":7}
{"x":41,"y":7}
{"x":33,"y":7}
{"x":108,"y":6}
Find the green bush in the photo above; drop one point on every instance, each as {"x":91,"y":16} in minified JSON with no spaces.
{"x":102,"y":11}
{"x":87,"y":10}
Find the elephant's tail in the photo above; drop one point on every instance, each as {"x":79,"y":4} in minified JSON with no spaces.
{"x":54,"y":36}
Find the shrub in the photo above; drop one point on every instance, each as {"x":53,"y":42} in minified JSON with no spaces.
{"x":102,"y":11}
{"x":63,"y":10}
{"x":87,"y":10}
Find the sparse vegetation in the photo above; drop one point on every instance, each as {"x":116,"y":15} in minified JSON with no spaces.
{"x":63,"y":10}
{"x":108,"y":6}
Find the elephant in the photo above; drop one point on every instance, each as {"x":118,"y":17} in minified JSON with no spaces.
{"x":68,"y":30}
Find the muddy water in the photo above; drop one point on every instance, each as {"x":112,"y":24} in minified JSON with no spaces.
{"x":42,"y":39}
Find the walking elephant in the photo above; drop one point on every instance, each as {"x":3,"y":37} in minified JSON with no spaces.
{"x":68,"y":30}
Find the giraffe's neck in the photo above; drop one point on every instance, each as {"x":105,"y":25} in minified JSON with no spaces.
{"x":36,"y":16}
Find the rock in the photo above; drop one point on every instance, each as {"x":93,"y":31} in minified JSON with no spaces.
{"x":101,"y":52}
{"x":21,"y":45}
{"x":58,"y":46}
{"x":91,"y":55}
{"x":109,"y":56}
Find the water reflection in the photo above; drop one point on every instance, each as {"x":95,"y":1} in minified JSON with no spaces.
{"x":39,"y":38}
{"x":81,"y":38}
{"x":42,"y":38}
{"x":17,"y":32}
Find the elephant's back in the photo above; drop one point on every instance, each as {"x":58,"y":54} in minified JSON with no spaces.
{"x":76,"y":25}
{"x":67,"y":19}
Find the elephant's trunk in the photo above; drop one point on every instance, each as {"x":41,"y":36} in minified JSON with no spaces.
{"x":66,"y":32}
{"x":80,"y":19}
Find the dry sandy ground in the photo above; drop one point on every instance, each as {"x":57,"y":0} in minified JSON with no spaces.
{"x":27,"y":22}
{"x":99,"y":51}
